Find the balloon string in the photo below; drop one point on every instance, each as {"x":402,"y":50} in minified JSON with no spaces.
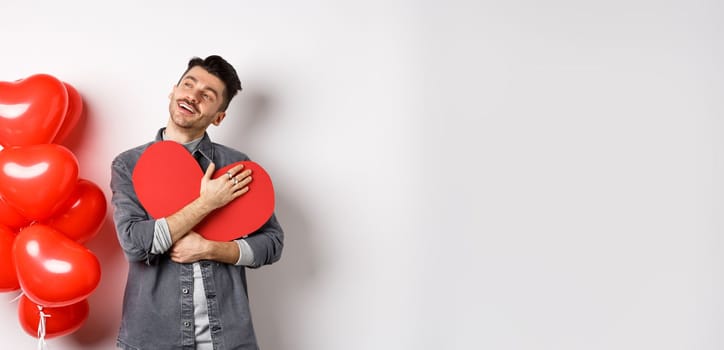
{"x":41,"y":329}
{"x":17,"y":297}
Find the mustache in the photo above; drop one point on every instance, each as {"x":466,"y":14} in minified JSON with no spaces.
{"x":187,"y":102}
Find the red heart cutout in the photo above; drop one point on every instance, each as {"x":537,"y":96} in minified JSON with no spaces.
{"x":53,"y":270}
{"x":31,"y":110}
{"x":37,"y":179}
{"x":245,"y":214}
{"x":167,"y":178}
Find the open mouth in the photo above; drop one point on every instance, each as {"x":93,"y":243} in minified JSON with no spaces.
{"x":186,"y":106}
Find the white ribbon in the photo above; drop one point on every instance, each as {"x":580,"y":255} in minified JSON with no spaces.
{"x":17,"y":298}
{"x":41,"y":329}
{"x":42,"y":345}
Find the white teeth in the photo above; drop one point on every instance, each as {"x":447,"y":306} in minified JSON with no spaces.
{"x":185,"y":106}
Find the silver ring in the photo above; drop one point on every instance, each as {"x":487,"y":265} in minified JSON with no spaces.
{"x":229,"y":173}
{"x":236,"y":181}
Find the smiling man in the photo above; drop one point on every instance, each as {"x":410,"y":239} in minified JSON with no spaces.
{"x":183,"y":291}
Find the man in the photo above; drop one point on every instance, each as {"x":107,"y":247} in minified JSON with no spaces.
{"x":183,"y":291}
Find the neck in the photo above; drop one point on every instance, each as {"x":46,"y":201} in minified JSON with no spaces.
{"x":180,"y":135}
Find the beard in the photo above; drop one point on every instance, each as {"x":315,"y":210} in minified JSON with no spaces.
{"x":181,"y":119}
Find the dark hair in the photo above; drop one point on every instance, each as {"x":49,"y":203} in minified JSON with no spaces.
{"x":221,"y":69}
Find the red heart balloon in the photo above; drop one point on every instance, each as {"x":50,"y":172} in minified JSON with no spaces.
{"x":53,"y":270}
{"x":8,"y":276}
{"x":82,"y":214}
{"x":72,"y":115}
{"x":31,"y":110}
{"x":167,"y":178}
{"x":10,"y":217}
{"x":59,"y":321}
{"x":37,"y":179}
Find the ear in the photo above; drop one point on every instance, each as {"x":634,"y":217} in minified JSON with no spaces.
{"x":219,"y":117}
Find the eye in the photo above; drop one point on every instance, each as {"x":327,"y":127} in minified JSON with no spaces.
{"x":206,"y":97}
{"x":187,"y":84}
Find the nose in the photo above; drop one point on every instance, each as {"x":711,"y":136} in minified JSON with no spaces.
{"x":193,"y":95}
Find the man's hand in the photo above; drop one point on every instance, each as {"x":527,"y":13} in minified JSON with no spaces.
{"x":190,"y":248}
{"x":218,"y":192}
{"x":214,"y":193}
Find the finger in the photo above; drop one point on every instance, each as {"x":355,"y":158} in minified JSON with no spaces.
{"x":210,"y":171}
{"x":241,"y":191}
{"x":244,"y":174}
{"x":236,"y":169}
{"x":242,"y":179}
{"x":245,"y":181}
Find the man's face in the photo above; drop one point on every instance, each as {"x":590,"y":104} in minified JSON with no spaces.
{"x":196,"y":100}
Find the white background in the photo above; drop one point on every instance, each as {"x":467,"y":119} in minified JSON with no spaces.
{"x":450,"y":174}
